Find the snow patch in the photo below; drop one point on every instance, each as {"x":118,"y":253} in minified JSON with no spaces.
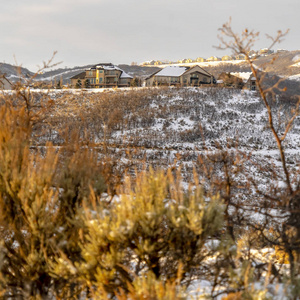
{"x":296,"y":58}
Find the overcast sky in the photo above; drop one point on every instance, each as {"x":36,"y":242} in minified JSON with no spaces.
{"x":122,"y":31}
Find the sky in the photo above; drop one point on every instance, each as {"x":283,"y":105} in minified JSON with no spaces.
{"x":125,"y":31}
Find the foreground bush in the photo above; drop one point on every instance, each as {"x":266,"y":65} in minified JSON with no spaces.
{"x":61,"y":238}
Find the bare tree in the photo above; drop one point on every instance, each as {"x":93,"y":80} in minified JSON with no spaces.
{"x":288,"y":199}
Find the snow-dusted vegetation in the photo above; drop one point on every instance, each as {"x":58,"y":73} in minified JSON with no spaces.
{"x":156,"y":194}
{"x":161,"y":123}
{"x":161,"y":193}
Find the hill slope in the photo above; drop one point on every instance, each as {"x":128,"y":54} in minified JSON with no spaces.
{"x":286,"y":65}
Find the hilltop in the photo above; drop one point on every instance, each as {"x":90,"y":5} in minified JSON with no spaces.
{"x":65,"y":74}
{"x":283,"y":64}
{"x":286,"y":64}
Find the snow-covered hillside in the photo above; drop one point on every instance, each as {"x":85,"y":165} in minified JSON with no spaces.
{"x":218,"y":138}
{"x":162,"y":124}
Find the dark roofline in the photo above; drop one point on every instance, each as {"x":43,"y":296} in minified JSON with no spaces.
{"x":79,"y":76}
{"x":153,"y":74}
{"x":205,"y":72}
{"x":103,"y":64}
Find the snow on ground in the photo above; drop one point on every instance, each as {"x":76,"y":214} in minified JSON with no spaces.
{"x":174,"y":71}
{"x":295,"y":77}
{"x":58,"y":75}
{"x":243,"y":75}
{"x":296,"y":64}
{"x":78,"y":91}
{"x":296,"y":58}
{"x":201,"y":288}
{"x":222,"y":114}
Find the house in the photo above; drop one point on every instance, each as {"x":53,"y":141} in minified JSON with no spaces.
{"x":78,"y":80}
{"x":5,"y":84}
{"x":180,"y":76}
{"x":281,"y":50}
{"x":251,"y":83}
{"x":213,"y":58}
{"x":200,"y":59}
{"x":236,"y":80}
{"x":252,"y":54}
{"x":102,"y":76}
{"x":229,"y":80}
{"x":147,"y":63}
{"x":240,"y":57}
{"x":265,"y":51}
{"x":227,"y":58}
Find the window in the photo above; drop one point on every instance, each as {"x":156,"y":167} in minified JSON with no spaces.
{"x":100,"y":79}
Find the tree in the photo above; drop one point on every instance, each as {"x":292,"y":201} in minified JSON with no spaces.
{"x":286,"y":199}
{"x":87,"y":83}
{"x":135,"y":82}
{"x":78,"y":84}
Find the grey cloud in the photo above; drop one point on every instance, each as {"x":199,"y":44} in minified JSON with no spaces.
{"x":133,"y":30}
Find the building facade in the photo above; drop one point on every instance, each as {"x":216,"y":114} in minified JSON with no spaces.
{"x":251,"y":83}
{"x":179,"y":76}
{"x":101,"y":76}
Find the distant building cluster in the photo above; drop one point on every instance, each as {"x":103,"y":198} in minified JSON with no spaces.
{"x":252,"y":53}
{"x":239,"y":80}
{"x":107,"y":75}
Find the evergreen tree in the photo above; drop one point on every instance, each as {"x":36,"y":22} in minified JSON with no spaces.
{"x":78,"y":84}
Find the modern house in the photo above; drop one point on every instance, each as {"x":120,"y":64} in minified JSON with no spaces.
{"x":265,"y":51}
{"x":187,"y":61}
{"x":251,"y":83}
{"x":179,"y":76}
{"x":230,"y":80}
{"x":240,"y":57}
{"x":78,"y":80}
{"x":102,"y":76}
{"x":227,"y":58}
{"x":200,"y":59}
{"x":213,"y":58}
{"x":237,"y":80}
